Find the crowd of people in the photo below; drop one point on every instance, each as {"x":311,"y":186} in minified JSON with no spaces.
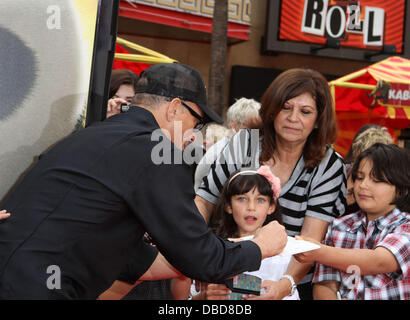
{"x":118,"y":224}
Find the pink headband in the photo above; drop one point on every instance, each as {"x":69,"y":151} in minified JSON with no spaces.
{"x":266,"y":172}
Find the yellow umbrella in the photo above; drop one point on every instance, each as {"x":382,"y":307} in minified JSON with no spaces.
{"x":148,"y":56}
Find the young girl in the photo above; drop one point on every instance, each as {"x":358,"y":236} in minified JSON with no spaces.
{"x":247,"y":202}
{"x":378,"y":268}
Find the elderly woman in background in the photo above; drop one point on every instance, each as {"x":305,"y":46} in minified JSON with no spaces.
{"x":243,"y":114}
{"x":298,"y":126}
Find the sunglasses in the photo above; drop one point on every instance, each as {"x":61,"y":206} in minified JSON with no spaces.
{"x":201,"y":122}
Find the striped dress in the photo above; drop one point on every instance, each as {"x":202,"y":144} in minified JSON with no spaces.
{"x":318,"y":192}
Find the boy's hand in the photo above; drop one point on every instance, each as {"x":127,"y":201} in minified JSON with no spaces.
{"x":308,"y":256}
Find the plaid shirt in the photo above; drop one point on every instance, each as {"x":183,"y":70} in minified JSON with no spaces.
{"x":391,"y":231}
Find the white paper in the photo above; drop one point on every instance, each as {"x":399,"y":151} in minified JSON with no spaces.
{"x":294,"y":246}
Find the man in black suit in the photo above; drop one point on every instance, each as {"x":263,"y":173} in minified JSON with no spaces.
{"x":81,"y":212}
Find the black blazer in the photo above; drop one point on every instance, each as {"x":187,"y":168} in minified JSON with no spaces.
{"x":85,"y":206}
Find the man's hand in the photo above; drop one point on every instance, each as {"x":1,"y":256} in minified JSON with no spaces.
{"x":114,"y":106}
{"x":271,"y":239}
{"x":308,"y":256}
{"x":4,"y":214}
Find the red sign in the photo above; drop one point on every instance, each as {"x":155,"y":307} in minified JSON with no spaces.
{"x":365,"y":24}
{"x":399,"y":94}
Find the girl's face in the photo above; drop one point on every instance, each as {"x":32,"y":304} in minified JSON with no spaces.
{"x":249,"y":211}
{"x":297,"y":118}
{"x":126,"y":92}
{"x":373,"y":196}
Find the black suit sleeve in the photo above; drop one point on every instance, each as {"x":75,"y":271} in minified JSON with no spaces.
{"x":141,"y":259}
{"x":163,"y":200}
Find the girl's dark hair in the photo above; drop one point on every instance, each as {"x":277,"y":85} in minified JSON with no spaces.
{"x":290,"y":84}
{"x":391,"y":165}
{"x":120,"y":77}
{"x":222,"y":223}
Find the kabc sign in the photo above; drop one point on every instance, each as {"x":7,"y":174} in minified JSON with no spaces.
{"x":333,"y":21}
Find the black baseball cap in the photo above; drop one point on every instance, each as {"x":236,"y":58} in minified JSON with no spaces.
{"x":177,"y":80}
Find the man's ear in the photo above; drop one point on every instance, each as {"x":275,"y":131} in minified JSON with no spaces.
{"x":172,"y":110}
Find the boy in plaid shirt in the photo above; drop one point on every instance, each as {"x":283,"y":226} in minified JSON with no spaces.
{"x":365,"y":255}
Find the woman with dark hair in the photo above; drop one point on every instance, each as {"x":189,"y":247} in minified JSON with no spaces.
{"x":298,"y":126}
{"x":122,"y":87}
